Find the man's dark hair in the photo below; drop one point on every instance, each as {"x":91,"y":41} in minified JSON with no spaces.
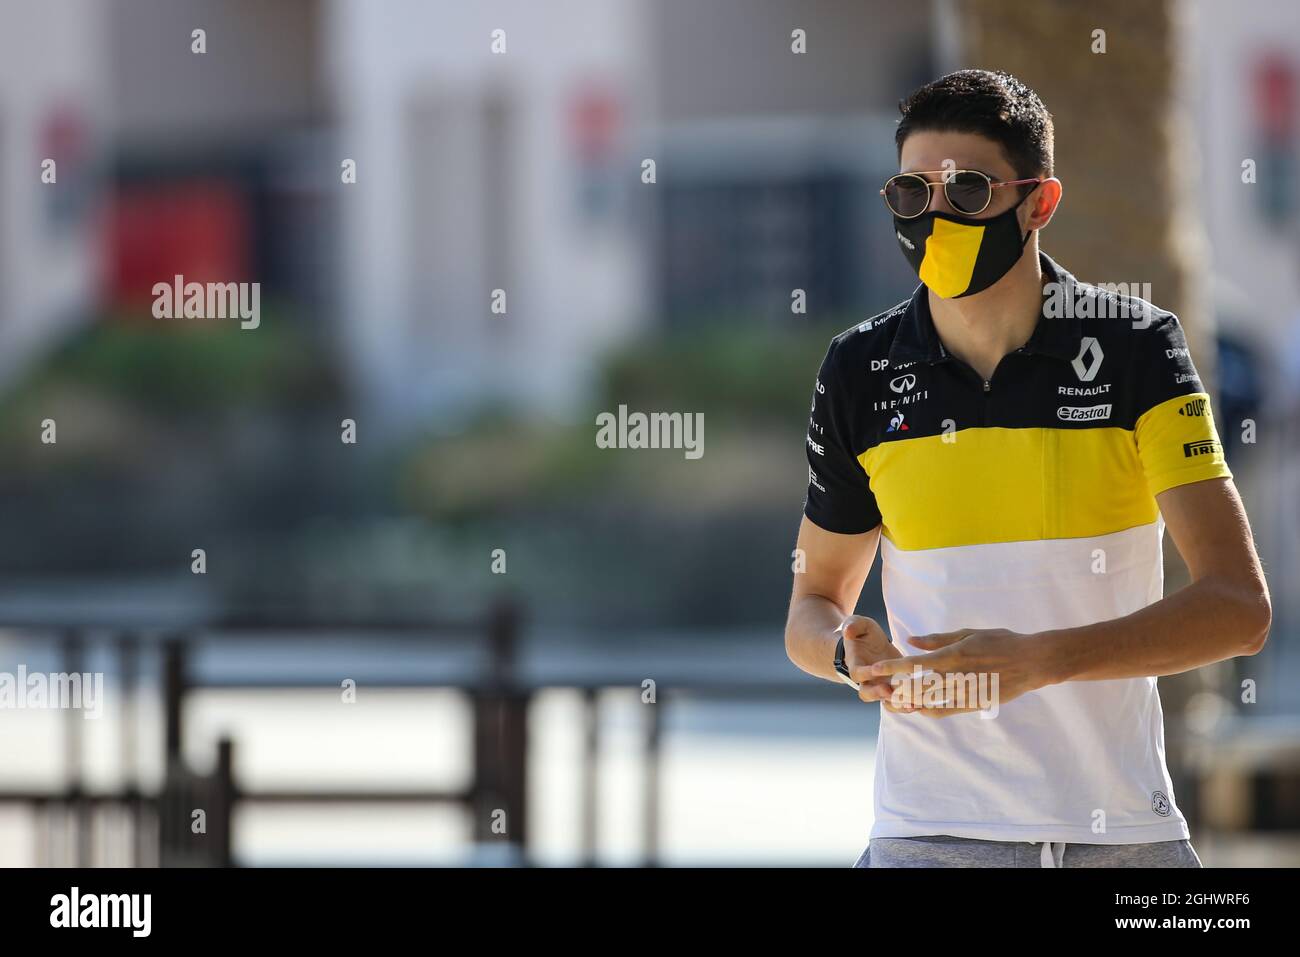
{"x":994,"y":105}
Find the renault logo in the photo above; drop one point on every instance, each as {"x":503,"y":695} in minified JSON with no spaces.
{"x":903,"y":383}
{"x":1088,"y":361}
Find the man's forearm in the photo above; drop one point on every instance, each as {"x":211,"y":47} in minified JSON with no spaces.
{"x":810,"y":635}
{"x":1208,"y":621}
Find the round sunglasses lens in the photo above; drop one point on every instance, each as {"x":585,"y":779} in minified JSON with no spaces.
{"x":968,"y":192}
{"x":907,"y":196}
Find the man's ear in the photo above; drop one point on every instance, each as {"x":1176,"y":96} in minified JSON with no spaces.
{"x":1047,"y":196}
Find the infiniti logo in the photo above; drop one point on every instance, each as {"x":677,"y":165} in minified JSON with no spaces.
{"x":903,"y":382}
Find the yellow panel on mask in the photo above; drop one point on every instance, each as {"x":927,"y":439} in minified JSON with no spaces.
{"x":950,"y":253}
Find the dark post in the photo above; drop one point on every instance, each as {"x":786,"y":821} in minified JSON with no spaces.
{"x":127,"y":655}
{"x":177,"y":797}
{"x":221,"y":821}
{"x":82,"y":815}
{"x":173,"y":696}
{"x":500,"y":736}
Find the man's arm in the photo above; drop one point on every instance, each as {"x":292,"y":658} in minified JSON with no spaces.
{"x":1225,"y":610}
{"x":1223,"y":613}
{"x":826,"y":591}
{"x":834,"y":569}
{"x":838,"y":539}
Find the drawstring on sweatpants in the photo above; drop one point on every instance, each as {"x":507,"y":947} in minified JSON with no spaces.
{"x":1052,"y":853}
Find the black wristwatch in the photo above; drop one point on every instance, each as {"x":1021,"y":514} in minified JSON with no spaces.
{"x":840,"y":667}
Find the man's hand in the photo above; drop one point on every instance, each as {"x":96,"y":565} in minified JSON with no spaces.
{"x":1020,"y":663}
{"x":865,"y":643}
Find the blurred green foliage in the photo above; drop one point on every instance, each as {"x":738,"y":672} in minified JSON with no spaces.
{"x":179,"y":367}
{"x":753,"y":384}
{"x":741,"y":373}
{"x":127,"y":383}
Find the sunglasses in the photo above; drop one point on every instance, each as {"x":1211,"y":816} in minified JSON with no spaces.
{"x":969,"y":191}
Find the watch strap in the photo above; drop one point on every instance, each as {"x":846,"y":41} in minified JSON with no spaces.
{"x":840,"y":667}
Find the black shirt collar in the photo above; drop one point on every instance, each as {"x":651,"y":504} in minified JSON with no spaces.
{"x":1059,"y":336}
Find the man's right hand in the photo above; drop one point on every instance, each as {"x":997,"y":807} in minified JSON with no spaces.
{"x":865,"y":643}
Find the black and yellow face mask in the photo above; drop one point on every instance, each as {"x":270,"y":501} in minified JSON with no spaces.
{"x":959,"y":256}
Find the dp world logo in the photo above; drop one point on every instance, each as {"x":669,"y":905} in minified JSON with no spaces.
{"x":1088,"y":361}
{"x":903,"y":383}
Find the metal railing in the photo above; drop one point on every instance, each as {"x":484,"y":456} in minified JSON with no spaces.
{"x":499,"y":699}
{"x":154,"y":823}
{"x":160,"y":822}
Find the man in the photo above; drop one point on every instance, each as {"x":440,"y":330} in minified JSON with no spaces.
{"x":1014,"y":443}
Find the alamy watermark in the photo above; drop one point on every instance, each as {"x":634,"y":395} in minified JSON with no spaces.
{"x":651,"y":430}
{"x":133,"y":912}
{"x":954,"y":690}
{"x":38,"y":690}
{"x":212,"y":300}
{"x":1107,"y":300}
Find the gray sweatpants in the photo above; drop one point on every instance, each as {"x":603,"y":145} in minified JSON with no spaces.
{"x":943,"y":851}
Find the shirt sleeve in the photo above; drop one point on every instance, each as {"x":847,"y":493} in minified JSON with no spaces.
{"x":1176,"y":438}
{"x":839,"y":493}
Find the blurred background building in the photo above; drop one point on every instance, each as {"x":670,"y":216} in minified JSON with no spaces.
{"x":498,"y":588}
{"x":53,"y":108}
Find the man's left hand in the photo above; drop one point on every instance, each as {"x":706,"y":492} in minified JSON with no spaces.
{"x":1020,"y":662}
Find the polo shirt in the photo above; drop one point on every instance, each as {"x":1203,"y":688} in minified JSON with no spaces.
{"x":1024,"y":502}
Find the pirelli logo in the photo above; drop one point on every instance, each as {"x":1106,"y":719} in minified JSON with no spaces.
{"x":1200,"y":447}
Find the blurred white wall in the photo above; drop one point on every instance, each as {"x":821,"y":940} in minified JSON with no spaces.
{"x":51,"y":106}
{"x":732,"y":58}
{"x":260,"y":71}
{"x":471,"y":178}
{"x":1256,"y":259}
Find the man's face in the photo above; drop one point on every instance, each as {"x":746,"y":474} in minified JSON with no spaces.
{"x":927,"y":150}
